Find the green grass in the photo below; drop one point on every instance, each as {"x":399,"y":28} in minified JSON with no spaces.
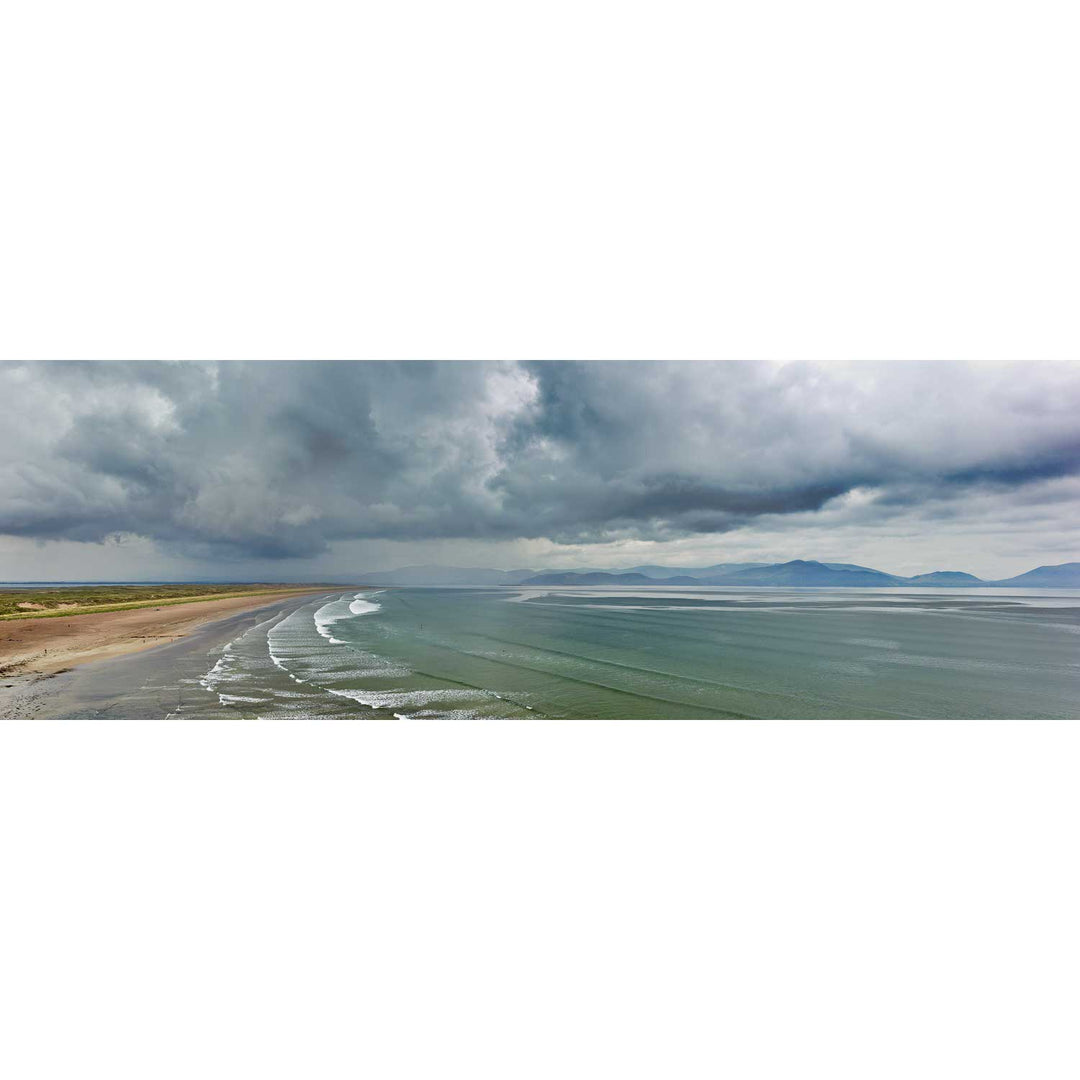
{"x":91,"y":598}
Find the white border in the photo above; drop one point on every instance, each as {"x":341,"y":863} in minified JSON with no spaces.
{"x":536,"y":900}
{"x":483,"y":179}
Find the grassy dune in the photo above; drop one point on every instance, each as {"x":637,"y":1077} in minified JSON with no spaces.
{"x":79,"y":600}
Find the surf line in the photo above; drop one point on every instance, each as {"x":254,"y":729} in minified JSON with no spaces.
{"x":326,"y":616}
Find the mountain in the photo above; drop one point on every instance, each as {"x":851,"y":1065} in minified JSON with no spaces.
{"x":796,"y":573}
{"x":1062,"y":576}
{"x":465,"y":576}
{"x":945,"y":578}
{"x":850,"y":566}
{"x":803,"y":572}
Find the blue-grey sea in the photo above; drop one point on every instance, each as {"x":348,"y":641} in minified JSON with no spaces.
{"x":566,"y":653}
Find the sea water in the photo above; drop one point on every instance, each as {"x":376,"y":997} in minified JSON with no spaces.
{"x":565,"y":653}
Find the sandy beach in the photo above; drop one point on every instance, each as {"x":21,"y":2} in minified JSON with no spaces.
{"x":37,"y":646}
{"x":40,"y":657}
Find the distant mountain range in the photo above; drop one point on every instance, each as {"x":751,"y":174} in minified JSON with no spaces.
{"x":475,"y":575}
{"x":797,"y":573}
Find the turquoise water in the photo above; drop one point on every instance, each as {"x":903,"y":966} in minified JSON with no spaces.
{"x":576,"y":653}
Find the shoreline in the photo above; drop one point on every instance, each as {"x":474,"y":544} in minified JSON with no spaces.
{"x":114,"y":660}
{"x":42,"y":647}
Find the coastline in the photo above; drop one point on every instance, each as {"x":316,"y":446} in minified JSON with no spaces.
{"x":46,"y":646}
{"x":36,"y":653}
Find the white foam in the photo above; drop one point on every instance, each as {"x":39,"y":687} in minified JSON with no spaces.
{"x":218,"y":673}
{"x":386,"y":699}
{"x":337,"y":610}
{"x":363,"y":607}
{"x":329,"y":614}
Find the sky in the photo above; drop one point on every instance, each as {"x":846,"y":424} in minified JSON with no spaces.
{"x":323,"y":470}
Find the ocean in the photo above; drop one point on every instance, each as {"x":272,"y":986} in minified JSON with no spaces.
{"x":566,"y":653}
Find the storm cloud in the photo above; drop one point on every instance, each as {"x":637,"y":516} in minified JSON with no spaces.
{"x":279,"y":460}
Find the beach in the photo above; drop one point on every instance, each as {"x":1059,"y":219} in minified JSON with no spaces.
{"x":34,"y":650}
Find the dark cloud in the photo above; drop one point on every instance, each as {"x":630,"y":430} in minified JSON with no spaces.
{"x":270,"y":460}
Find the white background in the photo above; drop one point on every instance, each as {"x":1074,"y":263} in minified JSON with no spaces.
{"x":571,"y":178}
{"x":782,"y":180}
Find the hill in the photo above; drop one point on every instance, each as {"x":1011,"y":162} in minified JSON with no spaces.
{"x":945,"y":578}
{"x":798,"y":573}
{"x":1062,"y":576}
{"x":803,"y":572}
{"x":850,"y":566}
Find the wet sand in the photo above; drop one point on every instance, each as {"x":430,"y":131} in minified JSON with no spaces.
{"x":37,"y":656}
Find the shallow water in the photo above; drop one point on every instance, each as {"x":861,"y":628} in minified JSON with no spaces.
{"x":572,"y":653}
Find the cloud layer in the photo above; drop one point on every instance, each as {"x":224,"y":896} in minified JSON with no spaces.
{"x":275,"y":460}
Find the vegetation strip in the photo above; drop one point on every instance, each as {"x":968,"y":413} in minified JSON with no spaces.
{"x":8,"y":600}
